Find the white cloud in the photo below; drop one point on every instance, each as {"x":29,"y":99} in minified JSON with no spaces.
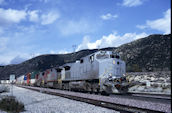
{"x":76,"y":27}
{"x":52,"y":52}
{"x":31,"y":55}
{"x":108,"y":16}
{"x":132,"y":3}
{"x":112,"y":40}
{"x":17,"y":60}
{"x":49,"y":18}
{"x":162,"y":24}
{"x":7,"y":58}
{"x":63,"y":52}
{"x":15,"y":57}
{"x":44,"y":19}
{"x":59,"y":52}
{"x":11,"y":16}
{"x":33,"y":16}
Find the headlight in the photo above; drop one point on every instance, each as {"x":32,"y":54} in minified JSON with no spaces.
{"x":113,"y":61}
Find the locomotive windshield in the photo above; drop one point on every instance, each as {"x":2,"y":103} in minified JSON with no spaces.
{"x":114,"y":56}
{"x":102,"y":56}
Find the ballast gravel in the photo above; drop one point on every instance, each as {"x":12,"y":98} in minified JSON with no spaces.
{"x":36,"y":102}
{"x":157,"y":106}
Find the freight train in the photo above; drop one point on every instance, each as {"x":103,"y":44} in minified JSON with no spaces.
{"x":102,"y":71}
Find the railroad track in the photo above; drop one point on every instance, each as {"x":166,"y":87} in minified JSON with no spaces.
{"x":120,"y":104}
{"x":149,"y":95}
{"x":146,"y":95}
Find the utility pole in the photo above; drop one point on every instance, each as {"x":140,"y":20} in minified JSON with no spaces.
{"x":98,"y":47}
{"x":74,"y":47}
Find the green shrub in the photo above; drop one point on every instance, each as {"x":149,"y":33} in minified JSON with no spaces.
{"x":10,"y":104}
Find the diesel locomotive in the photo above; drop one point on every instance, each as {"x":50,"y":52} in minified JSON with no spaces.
{"x":102,"y":71}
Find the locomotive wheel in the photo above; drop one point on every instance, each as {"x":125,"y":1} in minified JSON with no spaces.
{"x":97,"y":91}
{"x":104,"y":93}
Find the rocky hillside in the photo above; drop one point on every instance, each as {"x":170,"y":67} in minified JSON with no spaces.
{"x":152,"y":82}
{"x":147,"y":54}
{"x":151,"y":53}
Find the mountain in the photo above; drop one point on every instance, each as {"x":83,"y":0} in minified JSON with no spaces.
{"x":151,"y":53}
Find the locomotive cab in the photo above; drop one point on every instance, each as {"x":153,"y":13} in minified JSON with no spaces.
{"x":111,"y":63}
{"x":111,"y":72}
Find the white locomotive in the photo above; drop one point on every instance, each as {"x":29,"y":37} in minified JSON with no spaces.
{"x":99,"y":72}
{"x":102,"y":71}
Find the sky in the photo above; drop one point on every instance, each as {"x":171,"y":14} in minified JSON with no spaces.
{"x":29,"y":28}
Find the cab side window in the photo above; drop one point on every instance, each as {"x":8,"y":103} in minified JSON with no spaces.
{"x":91,"y":58}
{"x":81,"y":61}
{"x":112,"y":56}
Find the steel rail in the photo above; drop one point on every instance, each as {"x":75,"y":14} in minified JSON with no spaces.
{"x":154,"y":94}
{"x":146,"y":95}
